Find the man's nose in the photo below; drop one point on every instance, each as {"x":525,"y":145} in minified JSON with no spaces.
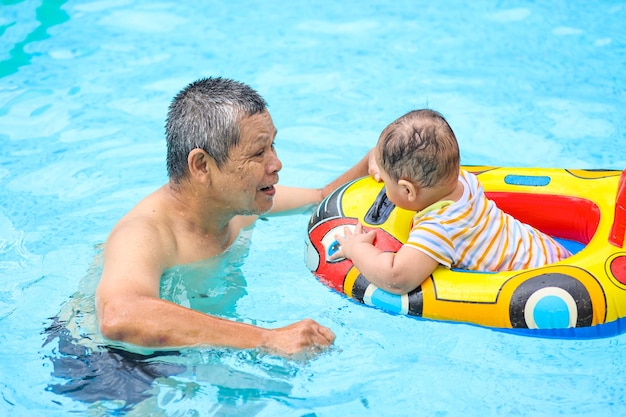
{"x":275,"y":164}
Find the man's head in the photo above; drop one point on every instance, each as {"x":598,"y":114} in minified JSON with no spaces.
{"x":419,"y":147}
{"x":206,"y":115}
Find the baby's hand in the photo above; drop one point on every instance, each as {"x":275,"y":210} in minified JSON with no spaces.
{"x":350,"y":239}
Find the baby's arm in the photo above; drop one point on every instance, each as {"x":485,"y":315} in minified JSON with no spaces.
{"x":398,"y":273}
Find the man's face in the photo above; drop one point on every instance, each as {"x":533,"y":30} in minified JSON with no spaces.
{"x":251,"y":171}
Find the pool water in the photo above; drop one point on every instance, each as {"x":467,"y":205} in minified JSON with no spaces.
{"x":84,"y":89}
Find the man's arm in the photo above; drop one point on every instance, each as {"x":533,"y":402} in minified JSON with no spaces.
{"x":291,"y":198}
{"x":129,"y":308}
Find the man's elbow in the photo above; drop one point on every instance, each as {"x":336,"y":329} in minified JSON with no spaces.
{"x":118,"y":322}
{"x":111,"y":322}
{"x":111,"y":331}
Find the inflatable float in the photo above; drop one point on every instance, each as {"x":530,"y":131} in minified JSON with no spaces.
{"x":581,"y":296}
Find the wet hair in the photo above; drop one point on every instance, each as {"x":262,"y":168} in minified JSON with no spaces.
{"x":419,"y":147}
{"x":206,"y":115}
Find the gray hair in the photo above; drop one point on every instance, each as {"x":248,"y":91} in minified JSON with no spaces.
{"x":421,"y":147}
{"x":206,"y":115}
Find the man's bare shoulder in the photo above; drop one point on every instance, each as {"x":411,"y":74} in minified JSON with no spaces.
{"x":145,"y":227}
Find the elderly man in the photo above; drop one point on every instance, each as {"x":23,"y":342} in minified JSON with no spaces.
{"x":223,"y":171}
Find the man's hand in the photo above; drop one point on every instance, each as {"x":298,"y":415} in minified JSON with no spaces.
{"x":372,"y":166}
{"x":301,"y":337}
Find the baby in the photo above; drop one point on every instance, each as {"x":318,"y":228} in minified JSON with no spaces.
{"x":455,"y":224}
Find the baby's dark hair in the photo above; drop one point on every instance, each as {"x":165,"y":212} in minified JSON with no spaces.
{"x":419,"y":147}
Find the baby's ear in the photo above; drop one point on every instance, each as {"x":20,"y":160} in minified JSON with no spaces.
{"x":408,"y":189}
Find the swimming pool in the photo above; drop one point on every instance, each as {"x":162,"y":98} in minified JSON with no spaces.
{"x":84,"y":89}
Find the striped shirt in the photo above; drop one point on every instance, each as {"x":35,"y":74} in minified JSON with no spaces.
{"x":473,"y":233}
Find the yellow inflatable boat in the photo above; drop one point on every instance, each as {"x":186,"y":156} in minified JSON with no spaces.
{"x":581,"y":296}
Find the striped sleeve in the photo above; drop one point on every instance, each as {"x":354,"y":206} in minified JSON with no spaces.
{"x":432,"y":238}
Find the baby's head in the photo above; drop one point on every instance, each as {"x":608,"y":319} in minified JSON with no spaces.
{"x":419,"y":147}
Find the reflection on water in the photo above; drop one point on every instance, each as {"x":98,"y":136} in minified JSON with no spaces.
{"x":90,"y":369}
{"x":212,"y":286}
{"x":106,"y":374}
{"x":48,"y":14}
{"x":82,"y":106}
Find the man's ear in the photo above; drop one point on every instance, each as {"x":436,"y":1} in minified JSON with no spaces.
{"x":200,"y":165}
{"x":408,"y":189}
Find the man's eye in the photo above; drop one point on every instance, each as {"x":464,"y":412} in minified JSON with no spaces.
{"x":262,"y":151}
